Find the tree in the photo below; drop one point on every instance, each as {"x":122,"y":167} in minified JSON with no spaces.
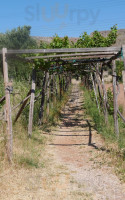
{"x":119,"y":69}
{"x":43,"y":45}
{"x":18,"y":38}
{"x":97,"y":40}
{"x":58,"y":42}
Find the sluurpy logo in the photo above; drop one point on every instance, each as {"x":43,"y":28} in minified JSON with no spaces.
{"x":79,"y":16}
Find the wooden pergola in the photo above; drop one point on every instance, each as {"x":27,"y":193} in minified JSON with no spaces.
{"x":78,"y":57}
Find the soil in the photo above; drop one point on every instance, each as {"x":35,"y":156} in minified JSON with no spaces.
{"x":75,"y":169}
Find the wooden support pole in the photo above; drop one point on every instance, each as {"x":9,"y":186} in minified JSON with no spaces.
{"x":55,"y":88}
{"x":42,"y":100}
{"x":51,"y":88}
{"x":24,"y":102}
{"x":123,"y":77}
{"x":95,"y":91}
{"x":123,"y":73}
{"x":30,"y":125}
{"x":98,"y":84}
{"x":105,"y":99}
{"x":104,"y":93}
{"x":56,"y":85}
{"x":48,"y":92}
{"x":115,"y":98}
{"x":2,"y":99}
{"x":90,"y":133}
{"x":9,"y":134}
{"x":60,"y":86}
{"x":65,"y":82}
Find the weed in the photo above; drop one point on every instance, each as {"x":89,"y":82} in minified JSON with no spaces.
{"x":108,"y":133}
{"x":27,"y":161}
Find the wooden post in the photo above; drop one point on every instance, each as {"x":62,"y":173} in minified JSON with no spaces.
{"x":42,"y":100}
{"x":90,"y":133}
{"x":95,"y":91}
{"x":98,"y":84}
{"x":55,"y":88}
{"x":105,"y":100}
{"x":65,"y":83}
{"x":47,"y":77}
{"x":60,"y":86}
{"x":123,"y":73}
{"x":51,"y":90}
{"x":123,"y":77}
{"x":30,"y":125}
{"x":115,"y":98}
{"x":104,"y":95}
{"x":9,"y":144}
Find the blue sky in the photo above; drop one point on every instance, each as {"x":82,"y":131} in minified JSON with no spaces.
{"x":65,"y":17}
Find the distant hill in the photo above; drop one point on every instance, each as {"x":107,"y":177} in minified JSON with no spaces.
{"x":119,"y":42}
{"x":120,"y":39}
{"x":49,"y":39}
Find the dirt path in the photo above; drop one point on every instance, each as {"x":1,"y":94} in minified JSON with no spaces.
{"x":73,"y":170}
{"x":88,"y":165}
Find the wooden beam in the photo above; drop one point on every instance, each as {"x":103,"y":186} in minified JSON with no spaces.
{"x":65,"y":50}
{"x":122,"y":117}
{"x":2,"y":99}
{"x":9,"y":133}
{"x":30,"y":125}
{"x":103,"y":54}
{"x":22,"y":107}
{"x":115,"y":98}
{"x":83,"y":60}
{"x":22,"y":102}
{"x":112,"y":58}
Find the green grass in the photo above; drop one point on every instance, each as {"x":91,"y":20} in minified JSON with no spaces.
{"x":99,"y":123}
{"x":27,"y":162}
{"x":116,"y":145}
{"x":28,"y":152}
